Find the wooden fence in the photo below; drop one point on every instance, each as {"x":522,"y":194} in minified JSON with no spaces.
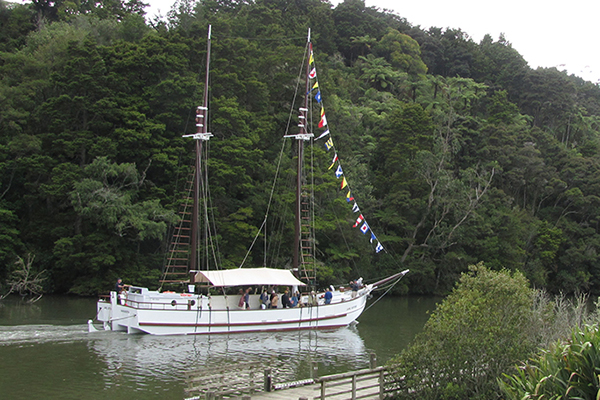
{"x":251,"y":380}
{"x":227,"y":382}
{"x":366,"y":383}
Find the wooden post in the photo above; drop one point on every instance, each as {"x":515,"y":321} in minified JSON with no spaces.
{"x":322,"y":390}
{"x":354,"y":387}
{"x":373,"y":360}
{"x":381,"y":385}
{"x":246,"y":397}
{"x":267,"y":379}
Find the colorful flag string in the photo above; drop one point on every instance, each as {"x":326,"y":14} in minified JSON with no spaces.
{"x":360,"y":221}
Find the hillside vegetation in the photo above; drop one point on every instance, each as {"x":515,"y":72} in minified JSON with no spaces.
{"x":457,"y":152}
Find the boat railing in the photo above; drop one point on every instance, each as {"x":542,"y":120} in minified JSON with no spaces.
{"x":187,"y":301}
{"x":183,"y":304}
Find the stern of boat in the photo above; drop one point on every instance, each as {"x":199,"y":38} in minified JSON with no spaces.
{"x":115,"y":315}
{"x":104,"y":312}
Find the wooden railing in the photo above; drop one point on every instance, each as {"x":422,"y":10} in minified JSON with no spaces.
{"x":226,"y":382}
{"x":354,"y":385}
{"x":248,"y":382}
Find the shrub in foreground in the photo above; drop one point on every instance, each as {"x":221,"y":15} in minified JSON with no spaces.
{"x":478,"y":332}
{"x":569,"y":370}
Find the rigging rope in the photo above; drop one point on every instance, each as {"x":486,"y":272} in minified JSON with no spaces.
{"x":386,"y":292}
{"x":212,"y":233}
{"x":263,"y":225}
{"x":287,"y":129}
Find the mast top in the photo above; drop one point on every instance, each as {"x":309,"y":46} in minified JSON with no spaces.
{"x":304,"y":134}
{"x":202,"y":111}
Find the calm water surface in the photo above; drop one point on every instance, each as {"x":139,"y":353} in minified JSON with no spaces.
{"x":46,"y":352}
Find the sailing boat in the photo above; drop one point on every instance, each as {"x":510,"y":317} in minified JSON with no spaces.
{"x":140,"y":310}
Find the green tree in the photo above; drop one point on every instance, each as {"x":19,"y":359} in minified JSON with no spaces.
{"x":449,"y":53}
{"x":379,"y":73}
{"x":474,"y":335}
{"x":10,"y":244}
{"x":107,"y":196}
{"x":501,"y":110}
{"x":353,"y":19}
{"x":16,"y":21}
{"x":113,"y":227}
{"x":402,"y":52}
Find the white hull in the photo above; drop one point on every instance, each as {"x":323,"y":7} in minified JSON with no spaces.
{"x":144,"y":311}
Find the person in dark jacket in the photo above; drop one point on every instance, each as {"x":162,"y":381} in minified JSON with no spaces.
{"x":285,"y":300}
{"x":119,"y":286}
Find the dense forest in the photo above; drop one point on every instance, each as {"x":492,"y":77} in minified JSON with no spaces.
{"x":457,"y":151}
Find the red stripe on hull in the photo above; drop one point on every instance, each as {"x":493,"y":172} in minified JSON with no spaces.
{"x":271,"y":330}
{"x":246,"y":324}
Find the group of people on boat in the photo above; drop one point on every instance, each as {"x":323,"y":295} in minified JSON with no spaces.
{"x":270,"y":301}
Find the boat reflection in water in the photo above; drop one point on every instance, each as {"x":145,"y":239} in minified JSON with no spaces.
{"x":290,"y":355}
{"x":47,"y":354}
{"x":67,"y":361}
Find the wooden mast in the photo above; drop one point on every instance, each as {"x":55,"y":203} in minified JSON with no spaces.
{"x":200,"y":136}
{"x":301,"y":137}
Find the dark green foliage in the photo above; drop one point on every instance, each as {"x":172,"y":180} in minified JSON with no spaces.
{"x":17,"y":21}
{"x":455,"y":151}
{"x":449,"y":53}
{"x":9,"y":240}
{"x":353,"y":19}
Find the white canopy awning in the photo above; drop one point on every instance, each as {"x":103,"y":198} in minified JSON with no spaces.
{"x":248,"y":277}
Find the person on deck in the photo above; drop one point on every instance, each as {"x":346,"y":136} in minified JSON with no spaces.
{"x":119,"y":286}
{"x":354,"y":287}
{"x":285,"y":300}
{"x":247,"y":298}
{"x":328,"y":296}
{"x":312,"y":299}
{"x":242,"y":300}
{"x":120,"y":289}
{"x":274,"y":299}
{"x":295,"y":299}
{"x":264,"y":300}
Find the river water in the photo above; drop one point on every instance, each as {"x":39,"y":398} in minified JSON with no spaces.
{"x":46,"y":352}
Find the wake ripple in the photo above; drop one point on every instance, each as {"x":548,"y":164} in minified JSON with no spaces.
{"x":36,"y":334}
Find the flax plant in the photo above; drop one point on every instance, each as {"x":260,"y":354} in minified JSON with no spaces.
{"x":568,"y":370}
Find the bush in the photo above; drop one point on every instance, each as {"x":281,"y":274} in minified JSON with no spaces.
{"x":474,"y":335}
